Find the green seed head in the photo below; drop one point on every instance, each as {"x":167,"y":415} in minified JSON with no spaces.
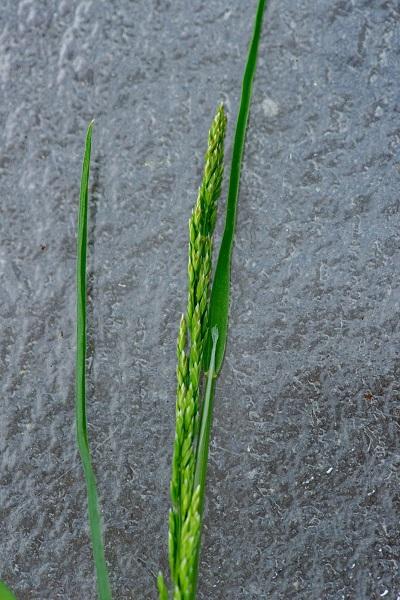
{"x":184,"y":521}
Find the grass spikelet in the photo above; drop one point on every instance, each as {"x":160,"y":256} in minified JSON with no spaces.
{"x":162,"y":588}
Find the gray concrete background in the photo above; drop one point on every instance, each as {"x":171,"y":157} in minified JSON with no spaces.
{"x":303,"y":495}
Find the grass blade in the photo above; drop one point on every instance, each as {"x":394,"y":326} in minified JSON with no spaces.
{"x":5,"y":592}
{"x":103,"y":585}
{"x":219,"y":302}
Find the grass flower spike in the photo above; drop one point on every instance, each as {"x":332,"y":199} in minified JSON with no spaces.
{"x":184,"y":519}
{"x":202,"y":340}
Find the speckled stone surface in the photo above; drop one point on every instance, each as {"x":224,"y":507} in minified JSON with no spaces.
{"x":304,"y":491}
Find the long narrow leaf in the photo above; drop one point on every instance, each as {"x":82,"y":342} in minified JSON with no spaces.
{"x":219,"y":302}
{"x":103,"y":585}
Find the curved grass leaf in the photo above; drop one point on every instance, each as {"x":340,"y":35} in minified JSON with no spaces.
{"x":5,"y":592}
{"x":103,"y":585}
{"x":219,"y":301}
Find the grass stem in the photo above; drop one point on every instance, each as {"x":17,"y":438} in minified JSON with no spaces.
{"x":205,"y":427}
{"x":204,"y":444}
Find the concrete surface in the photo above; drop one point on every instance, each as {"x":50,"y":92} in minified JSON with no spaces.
{"x":303,"y":494}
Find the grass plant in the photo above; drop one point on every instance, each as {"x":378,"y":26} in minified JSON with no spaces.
{"x":206,"y":320}
{"x":200,"y":351}
{"x":103,"y":585}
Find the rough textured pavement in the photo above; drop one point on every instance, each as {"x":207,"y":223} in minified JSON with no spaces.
{"x":304,"y":491}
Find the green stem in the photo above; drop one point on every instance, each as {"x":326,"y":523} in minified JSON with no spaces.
{"x":103,"y":585}
{"x":204,"y":443}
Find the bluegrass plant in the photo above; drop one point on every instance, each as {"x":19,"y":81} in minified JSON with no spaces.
{"x":201,"y":342}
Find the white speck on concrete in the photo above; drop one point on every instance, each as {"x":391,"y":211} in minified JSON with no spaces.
{"x":270,"y":107}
